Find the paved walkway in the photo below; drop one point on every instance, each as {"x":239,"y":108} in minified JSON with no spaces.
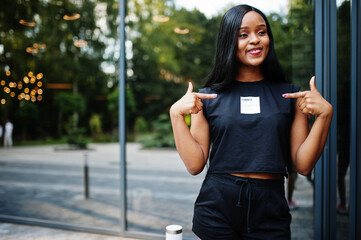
{"x":46,"y":182}
{"x":25,"y":232}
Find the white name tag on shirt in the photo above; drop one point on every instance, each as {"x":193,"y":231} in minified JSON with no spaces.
{"x":250,"y":105}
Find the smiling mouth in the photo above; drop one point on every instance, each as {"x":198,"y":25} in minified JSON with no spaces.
{"x":255,"y":51}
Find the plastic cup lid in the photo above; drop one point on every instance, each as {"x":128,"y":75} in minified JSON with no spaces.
{"x":174,"y":229}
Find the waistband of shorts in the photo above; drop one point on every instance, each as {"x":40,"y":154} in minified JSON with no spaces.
{"x":230,"y":179}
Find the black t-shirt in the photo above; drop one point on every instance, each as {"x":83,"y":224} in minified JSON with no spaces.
{"x":250,"y":127}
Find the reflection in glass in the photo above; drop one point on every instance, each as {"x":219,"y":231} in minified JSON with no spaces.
{"x":343,"y":118}
{"x":63,"y":112}
{"x":162,"y":62}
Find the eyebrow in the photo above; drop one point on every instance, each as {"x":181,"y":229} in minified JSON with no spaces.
{"x":261,"y":25}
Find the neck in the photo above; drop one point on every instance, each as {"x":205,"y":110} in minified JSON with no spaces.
{"x":249,"y":74}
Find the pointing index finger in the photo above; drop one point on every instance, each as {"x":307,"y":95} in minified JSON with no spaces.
{"x":294,"y":95}
{"x":205,"y":95}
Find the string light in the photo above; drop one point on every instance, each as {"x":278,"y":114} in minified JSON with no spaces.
{"x":39,"y":76}
{"x":32,"y":84}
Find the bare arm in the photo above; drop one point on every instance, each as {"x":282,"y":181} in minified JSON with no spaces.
{"x":307,"y":147}
{"x":193,"y":144}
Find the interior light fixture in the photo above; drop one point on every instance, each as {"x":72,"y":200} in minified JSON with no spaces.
{"x":31,"y":50}
{"x":35,"y":48}
{"x":161,"y":18}
{"x":80,"y":43}
{"x":72,"y":16}
{"x":39,"y":45}
{"x":59,"y":86}
{"x":26,"y":23}
{"x":181,"y":31}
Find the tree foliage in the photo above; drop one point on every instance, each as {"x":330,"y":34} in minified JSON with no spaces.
{"x":35,"y":37}
{"x":166,"y":47}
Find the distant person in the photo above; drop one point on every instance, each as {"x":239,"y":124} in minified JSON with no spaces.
{"x":8,"y":135}
{"x":342,"y":166}
{"x":343,"y":145}
{"x":291,"y":182}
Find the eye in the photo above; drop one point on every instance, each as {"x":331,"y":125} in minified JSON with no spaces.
{"x":263,"y":32}
{"x":243,"y":35}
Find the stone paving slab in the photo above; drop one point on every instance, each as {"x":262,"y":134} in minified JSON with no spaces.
{"x":10,"y":231}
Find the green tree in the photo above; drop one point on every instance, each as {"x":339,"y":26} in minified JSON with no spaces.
{"x":36,"y":37}
{"x":163,"y":61}
{"x":301,"y":21}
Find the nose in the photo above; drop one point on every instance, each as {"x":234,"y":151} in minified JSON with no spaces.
{"x":254,"y":39}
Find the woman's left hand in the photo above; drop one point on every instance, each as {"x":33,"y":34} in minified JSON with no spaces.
{"x":311,"y":102}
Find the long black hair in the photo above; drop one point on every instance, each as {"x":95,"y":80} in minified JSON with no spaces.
{"x":225,"y":62}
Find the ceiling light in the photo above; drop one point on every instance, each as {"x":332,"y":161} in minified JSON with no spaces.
{"x":80,"y":43}
{"x":161,"y":18}
{"x":26,"y":23}
{"x":73,"y":16}
{"x":181,"y":31}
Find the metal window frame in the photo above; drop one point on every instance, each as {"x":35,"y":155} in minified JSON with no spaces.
{"x":355,"y":146}
{"x":122,"y":134}
{"x":326,"y":82}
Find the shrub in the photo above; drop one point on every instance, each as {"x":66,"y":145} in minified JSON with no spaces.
{"x":161,"y":136}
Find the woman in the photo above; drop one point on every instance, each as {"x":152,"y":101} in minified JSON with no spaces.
{"x":256,"y":124}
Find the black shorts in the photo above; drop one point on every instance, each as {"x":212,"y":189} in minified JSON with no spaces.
{"x":231,"y":208}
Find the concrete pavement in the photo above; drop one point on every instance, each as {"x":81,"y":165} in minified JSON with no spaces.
{"x":10,"y":231}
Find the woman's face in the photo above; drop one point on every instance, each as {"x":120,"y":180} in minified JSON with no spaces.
{"x":253,"y":40}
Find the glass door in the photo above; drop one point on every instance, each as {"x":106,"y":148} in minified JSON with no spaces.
{"x":169,"y":44}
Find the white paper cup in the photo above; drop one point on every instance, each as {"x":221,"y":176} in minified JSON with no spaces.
{"x":173,"y":232}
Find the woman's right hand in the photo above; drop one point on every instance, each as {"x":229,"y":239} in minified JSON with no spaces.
{"x":192,"y":144}
{"x":190,"y":103}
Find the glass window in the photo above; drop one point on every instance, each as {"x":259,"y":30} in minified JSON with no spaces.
{"x":59,"y":91}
